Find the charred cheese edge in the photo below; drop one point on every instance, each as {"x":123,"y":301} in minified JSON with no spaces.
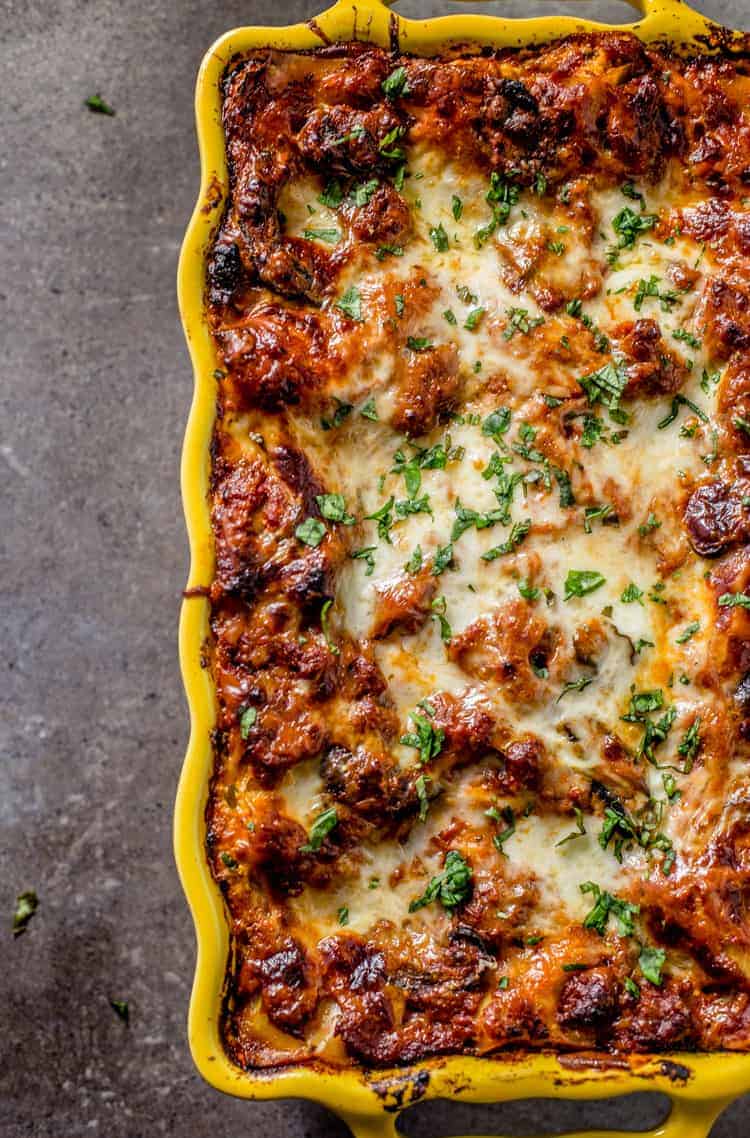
{"x":481,"y":501}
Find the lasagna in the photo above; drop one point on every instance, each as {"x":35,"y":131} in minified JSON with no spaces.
{"x":480,"y":497}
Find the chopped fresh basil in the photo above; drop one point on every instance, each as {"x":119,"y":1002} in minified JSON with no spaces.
{"x":332,"y":195}
{"x":457,"y":207}
{"x":631,"y":594}
{"x":424,"y":801}
{"x":426,"y":738}
{"x":651,"y":523}
{"x":395,"y":84}
{"x":687,"y":338}
{"x":606,"y":905}
{"x":528,"y":592}
{"x":688,"y":632}
{"x":405,"y":507}
{"x":507,"y":817}
{"x":439,"y":238}
{"x":366,"y":555}
{"x":351,"y":304}
{"x":415,"y":562}
{"x":593,"y":429}
{"x":575,"y":685}
{"x":121,"y":1010}
{"x":368,"y":410}
{"x":97,"y":104}
{"x":229,"y":861}
{"x":518,"y":533}
{"x":497,"y":423}
{"x":670,"y":786}
{"x":387,"y":145}
{"x":333,"y":507}
{"x":310,"y":532}
{"x":450,"y":316}
{"x":466,"y":518}
{"x":442,"y":560}
{"x":655,"y":731}
{"x":651,"y":962}
{"x":27,"y":904}
{"x":502,"y":196}
{"x":562,"y":478}
{"x":332,"y":646}
{"x":330,"y":236}
{"x":418,"y":343}
{"x":605,"y":385}
{"x":628,"y":226}
{"x":473,"y":319}
{"x":579,"y":830}
{"x":690,"y":744}
{"x":384,"y":251}
{"x":734,"y":600}
{"x":677,"y":402}
{"x":451,"y":887}
{"x":320,"y":830}
{"x":248,"y":719}
{"x":357,"y":132}
{"x":579,"y":582}
{"x":363,"y":191}
{"x":597,"y":513}
{"x":650,"y":288}
{"x":343,"y":915}
{"x":438,"y":608}
{"x":520,"y":321}
{"x":384,"y":517}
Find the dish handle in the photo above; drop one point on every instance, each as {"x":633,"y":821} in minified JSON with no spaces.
{"x":687,"y":1119}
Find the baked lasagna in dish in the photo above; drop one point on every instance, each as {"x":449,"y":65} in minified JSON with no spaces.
{"x":480,"y":620}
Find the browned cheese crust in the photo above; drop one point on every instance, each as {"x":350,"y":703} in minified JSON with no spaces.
{"x":320,"y":334}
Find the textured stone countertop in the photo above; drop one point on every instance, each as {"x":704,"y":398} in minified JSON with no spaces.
{"x":93,"y":722}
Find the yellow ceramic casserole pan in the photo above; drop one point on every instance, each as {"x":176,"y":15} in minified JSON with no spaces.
{"x":700,"y":1086}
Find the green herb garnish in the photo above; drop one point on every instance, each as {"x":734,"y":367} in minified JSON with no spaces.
{"x":97,"y":104}
{"x":310,"y":532}
{"x":606,"y":905}
{"x":121,"y":1010}
{"x":395,"y":84}
{"x":439,"y":238}
{"x":651,"y":962}
{"x":579,"y":582}
{"x":351,"y":304}
{"x":426,"y":738}
{"x":320,"y":830}
{"x":451,"y":887}
{"x":27,"y":904}
{"x":248,"y":719}
{"x":333,"y":507}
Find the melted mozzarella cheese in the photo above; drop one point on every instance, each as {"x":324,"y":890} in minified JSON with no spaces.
{"x":641,"y":469}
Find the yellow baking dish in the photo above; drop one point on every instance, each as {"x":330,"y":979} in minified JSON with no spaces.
{"x":700,"y":1086}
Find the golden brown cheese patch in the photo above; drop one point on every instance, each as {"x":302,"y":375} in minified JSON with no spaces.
{"x":481,"y":505}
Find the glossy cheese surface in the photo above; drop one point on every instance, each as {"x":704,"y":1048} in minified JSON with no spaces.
{"x":481,"y":505}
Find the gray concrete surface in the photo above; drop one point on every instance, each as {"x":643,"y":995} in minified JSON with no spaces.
{"x":95,"y":394}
